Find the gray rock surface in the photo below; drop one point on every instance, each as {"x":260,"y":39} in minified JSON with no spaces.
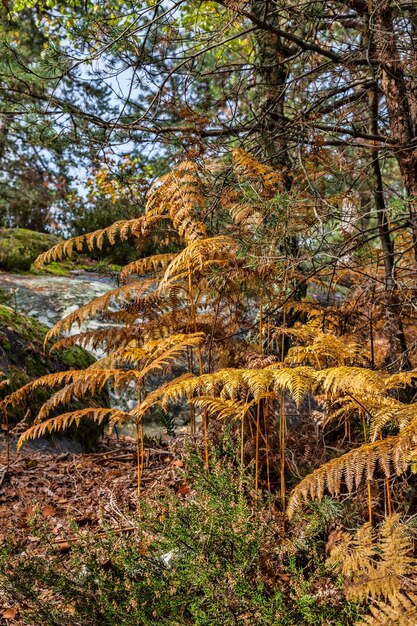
{"x":49,"y":298}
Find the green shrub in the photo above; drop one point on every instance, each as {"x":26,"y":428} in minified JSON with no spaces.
{"x":204,"y":558}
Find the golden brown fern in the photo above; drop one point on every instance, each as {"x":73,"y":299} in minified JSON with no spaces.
{"x":392,"y":454}
{"x":65,"y":420}
{"x":177,"y":196}
{"x":378,"y":565}
{"x":158,"y":353}
{"x":108,"y":339}
{"x":92,"y":383}
{"x":234,"y":384}
{"x":245,"y":214}
{"x":249,"y":168}
{"x":100,"y":305}
{"x":65,"y":249}
{"x":326,"y":347}
{"x":47,"y":381}
{"x":222,"y":408}
{"x":399,"y":610}
{"x":338,"y":380}
{"x":375,"y":564}
{"x":198,"y":258}
{"x":79,"y":383}
{"x":151,"y":264}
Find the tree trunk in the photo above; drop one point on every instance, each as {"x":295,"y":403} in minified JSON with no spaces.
{"x":400,"y":93}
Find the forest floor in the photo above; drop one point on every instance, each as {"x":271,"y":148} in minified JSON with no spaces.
{"x":65,"y":487}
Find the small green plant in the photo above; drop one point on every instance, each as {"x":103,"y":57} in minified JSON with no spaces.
{"x":166,"y":419}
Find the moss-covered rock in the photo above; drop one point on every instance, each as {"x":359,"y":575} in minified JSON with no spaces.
{"x":22,"y":359}
{"x":19,"y":247}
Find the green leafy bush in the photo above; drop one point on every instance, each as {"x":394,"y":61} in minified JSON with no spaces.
{"x":209,"y":554}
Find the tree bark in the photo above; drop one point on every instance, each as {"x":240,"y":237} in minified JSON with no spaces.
{"x":400,"y":92}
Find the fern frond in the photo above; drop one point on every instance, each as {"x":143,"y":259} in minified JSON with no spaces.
{"x":222,"y":408}
{"x":400,"y":610}
{"x":318,"y":316}
{"x":206,"y":384}
{"x":298,"y":381}
{"x":327,"y":346}
{"x":373,"y":564}
{"x":305,"y":333}
{"x":159,"y":351}
{"x":198,"y":257}
{"x":100,"y":305}
{"x":391,"y":453}
{"x":396,"y":562}
{"x":245,"y":214}
{"x":233,"y":383}
{"x":66,"y":419}
{"x":390,"y":411}
{"x":177,"y":195}
{"x":354,"y":380}
{"x":150,"y":264}
{"x":91,"y":380}
{"x":355,"y":553}
{"x":108,"y":338}
{"x":400,"y":379}
{"x":251,"y":169}
{"x":155,"y":397}
{"x":65,"y":249}
{"x":47,"y":381}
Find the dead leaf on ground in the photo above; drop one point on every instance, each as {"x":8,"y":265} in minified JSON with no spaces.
{"x":9,"y":613}
{"x":48,"y":510}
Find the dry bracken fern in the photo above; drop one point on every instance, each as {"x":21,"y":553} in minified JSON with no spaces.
{"x":177,"y":196}
{"x":100,"y":306}
{"x":393,"y":454}
{"x":95,"y":240}
{"x":399,"y":610}
{"x":249,"y":168}
{"x":65,"y":420}
{"x":375,"y":564}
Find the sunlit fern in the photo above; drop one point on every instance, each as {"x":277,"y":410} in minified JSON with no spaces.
{"x":378,"y":565}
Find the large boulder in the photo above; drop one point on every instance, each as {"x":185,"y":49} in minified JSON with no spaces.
{"x":19,"y":247}
{"x":22,"y":359}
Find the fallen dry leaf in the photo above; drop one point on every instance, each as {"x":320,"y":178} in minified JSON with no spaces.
{"x":48,"y":510}
{"x":9,"y":613}
{"x":63,"y":546}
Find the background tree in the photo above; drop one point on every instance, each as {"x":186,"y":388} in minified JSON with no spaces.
{"x":325,"y":92}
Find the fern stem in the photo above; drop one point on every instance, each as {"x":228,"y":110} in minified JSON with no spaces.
{"x":282,"y":431}
{"x":200,"y":363}
{"x":258,"y":426}
{"x":258,"y":407}
{"x":389,"y":502}
{"x":369,"y":501}
{"x":139,"y":448}
{"x":260,"y":322}
{"x":268,"y":326}
{"x":242,"y":436}
{"x":388,"y":490}
{"x":265,"y":415}
{"x":284,"y":318}
{"x":191,"y":406}
{"x":365,"y":436}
